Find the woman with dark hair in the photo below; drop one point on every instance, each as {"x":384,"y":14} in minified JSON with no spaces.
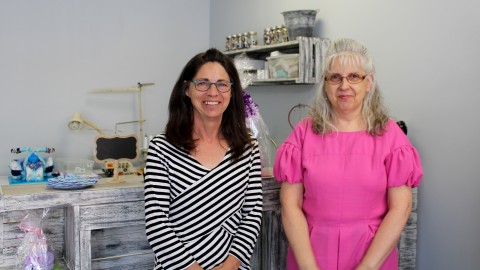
{"x":347,"y":172}
{"x":203,"y":190}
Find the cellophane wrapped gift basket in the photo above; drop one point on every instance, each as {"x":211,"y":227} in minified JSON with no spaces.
{"x":34,"y":253}
{"x":259,"y":130}
{"x":254,"y":120}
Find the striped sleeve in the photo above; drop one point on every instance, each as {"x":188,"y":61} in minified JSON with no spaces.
{"x":249,"y":228}
{"x":169,"y":250}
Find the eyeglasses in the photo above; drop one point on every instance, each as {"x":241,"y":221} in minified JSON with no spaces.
{"x":352,"y":78}
{"x":202,"y":85}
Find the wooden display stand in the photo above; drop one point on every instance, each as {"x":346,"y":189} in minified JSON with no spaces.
{"x":113,"y":149}
{"x":115,"y":178}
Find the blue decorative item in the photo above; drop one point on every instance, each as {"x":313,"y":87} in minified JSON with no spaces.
{"x":71,"y":181}
{"x":33,"y":168}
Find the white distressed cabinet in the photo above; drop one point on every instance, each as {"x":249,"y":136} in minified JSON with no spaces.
{"x":103,"y":227}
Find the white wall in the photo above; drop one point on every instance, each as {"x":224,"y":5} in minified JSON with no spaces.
{"x":53,"y":53}
{"x":427,"y":55}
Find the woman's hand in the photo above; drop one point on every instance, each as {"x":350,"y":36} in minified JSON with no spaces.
{"x":194,"y":266}
{"x":218,"y":267}
{"x":363,"y":267}
{"x":386,"y":238}
{"x":231,"y":263}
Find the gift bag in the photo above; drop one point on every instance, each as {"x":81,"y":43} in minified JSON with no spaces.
{"x":259,"y":129}
{"x":34,"y":253}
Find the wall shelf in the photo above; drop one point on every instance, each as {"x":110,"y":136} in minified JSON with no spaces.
{"x":309,"y":49}
{"x":276,"y":81}
{"x":262,"y":49}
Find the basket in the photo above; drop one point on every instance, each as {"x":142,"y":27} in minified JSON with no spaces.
{"x":299,"y":23}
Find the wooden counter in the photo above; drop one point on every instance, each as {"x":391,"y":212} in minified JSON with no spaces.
{"x":103,"y":227}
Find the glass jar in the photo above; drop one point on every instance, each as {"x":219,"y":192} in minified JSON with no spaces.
{"x":266,"y":37}
{"x":234,"y":43}
{"x":239,"y":41}
{"x":252,"y":36}
{"x":284,"y":33}
{"x":273,"y":35}
{"x":245,"y":40}
{"x":228,"y":43}
{"x":278,"y":34}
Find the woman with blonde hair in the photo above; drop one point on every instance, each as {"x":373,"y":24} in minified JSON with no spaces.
{"x":347,"y":172}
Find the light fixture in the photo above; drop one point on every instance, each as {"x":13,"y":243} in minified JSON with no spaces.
{"x":76,"y":123}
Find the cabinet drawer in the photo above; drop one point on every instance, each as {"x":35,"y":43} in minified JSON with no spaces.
{"x":112,"y":213}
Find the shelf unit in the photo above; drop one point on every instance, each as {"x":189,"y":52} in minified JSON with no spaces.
{"x":309,"y":49}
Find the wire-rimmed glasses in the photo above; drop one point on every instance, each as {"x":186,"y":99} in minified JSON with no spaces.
{"x":352,"y":78}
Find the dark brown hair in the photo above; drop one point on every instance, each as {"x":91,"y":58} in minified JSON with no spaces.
{"x":180,"y":119}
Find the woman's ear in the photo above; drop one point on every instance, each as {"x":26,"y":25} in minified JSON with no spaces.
{"x":370,"y":82}
{"x":185,"y":89}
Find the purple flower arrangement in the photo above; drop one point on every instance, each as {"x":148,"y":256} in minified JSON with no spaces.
{"x":251,"y":108}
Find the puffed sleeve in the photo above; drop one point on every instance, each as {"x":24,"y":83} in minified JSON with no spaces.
{"x":403,"y":167}
{"x":288,"y":164}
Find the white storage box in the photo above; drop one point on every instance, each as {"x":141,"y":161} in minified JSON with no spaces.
{"x":283,"y":66}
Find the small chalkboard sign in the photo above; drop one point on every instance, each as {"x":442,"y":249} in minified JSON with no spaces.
{"x":111,"y":148}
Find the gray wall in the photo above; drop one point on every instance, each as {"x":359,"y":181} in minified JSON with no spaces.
{"x":426,"y":54}
{"x":53,"y":53}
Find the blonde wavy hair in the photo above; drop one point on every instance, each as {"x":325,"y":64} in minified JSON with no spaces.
{"x":348,"y":51}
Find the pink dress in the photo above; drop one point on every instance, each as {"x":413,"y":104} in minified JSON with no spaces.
{"x":346,"y":176}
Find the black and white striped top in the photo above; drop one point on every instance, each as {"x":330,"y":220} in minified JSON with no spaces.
{"x":198,"y":214}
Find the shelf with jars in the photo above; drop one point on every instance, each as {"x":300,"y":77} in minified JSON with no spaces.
{"x":304,"y":55}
